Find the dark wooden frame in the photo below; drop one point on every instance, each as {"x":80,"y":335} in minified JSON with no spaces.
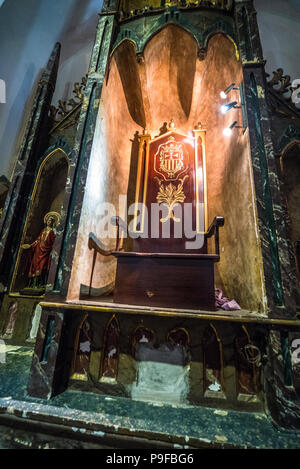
{"x":181,"y":280}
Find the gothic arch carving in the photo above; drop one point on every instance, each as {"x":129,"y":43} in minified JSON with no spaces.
{"x":82,"y":350}
{"x":248,"y":358}
{"x":163,"y":22}
{"x":220,"y":27}
{"x":213,"y":366}
{"x":159,"y":26}
{"x":127,"y":64}
{"x":110,"y":351}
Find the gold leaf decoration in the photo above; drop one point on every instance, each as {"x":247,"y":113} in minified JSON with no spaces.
{"x":171,"y":195}
{"x":65,"y":107}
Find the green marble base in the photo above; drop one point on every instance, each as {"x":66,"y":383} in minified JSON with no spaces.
{"x":33,"y":291}
{"x":115,"y":422}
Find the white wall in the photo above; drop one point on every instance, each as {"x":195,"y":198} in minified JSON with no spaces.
{"x":30,"y":28}
{"x":28,"y":31}
{"x":279,"y":23}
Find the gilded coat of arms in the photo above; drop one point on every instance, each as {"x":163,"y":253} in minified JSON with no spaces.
{"x":169,"y":159}
{"x":171,"y":162}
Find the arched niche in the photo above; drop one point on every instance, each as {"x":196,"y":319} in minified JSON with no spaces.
{"x":247,"y":364}
{"x":171,"y":75}
{"x":82,"y":351}
{"x":110,"y":351}
{"x":290,"y":169}
{"x":178,"y":340}
{"x":46,"y":196}
{"x":141,"y":335}
{"x":167,"y":85}
{"x":213,"y":363}
{"x":179,"y":337}
{"x":125,"y":57}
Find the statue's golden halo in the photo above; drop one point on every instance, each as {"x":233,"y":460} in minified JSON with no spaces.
{"x":54,"y":215}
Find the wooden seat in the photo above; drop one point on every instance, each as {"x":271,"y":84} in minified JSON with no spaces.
{"x":170,"y":280}
{"x":159,"y":271}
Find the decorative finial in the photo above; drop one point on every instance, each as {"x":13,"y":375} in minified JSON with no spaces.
{"x":172,"y":125}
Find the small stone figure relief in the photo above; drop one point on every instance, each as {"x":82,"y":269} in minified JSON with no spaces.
{"x":12,"y":317}
{"x":110,"y":352}
{"x":83,"y":352}
{"x":142,"y":335}
{"x":40,"y":255}
{"x":179,"y":337}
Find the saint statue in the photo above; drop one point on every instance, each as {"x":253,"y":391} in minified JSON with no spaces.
{"x":40,"y":252}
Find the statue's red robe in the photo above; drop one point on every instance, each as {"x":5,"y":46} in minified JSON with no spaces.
{"x":41,"y":250}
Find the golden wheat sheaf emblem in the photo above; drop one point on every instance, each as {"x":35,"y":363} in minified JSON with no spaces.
{"x":171,"y":195}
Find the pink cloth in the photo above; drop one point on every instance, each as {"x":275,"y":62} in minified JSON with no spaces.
{"x":225,"y":303}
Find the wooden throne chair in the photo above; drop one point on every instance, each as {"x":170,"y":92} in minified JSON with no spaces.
{"x":168,"y":264}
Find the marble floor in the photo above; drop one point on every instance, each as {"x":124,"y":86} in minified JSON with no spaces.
{"x":114,"y":421}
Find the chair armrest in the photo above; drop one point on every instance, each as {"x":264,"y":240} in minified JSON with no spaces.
{"x":217,"y":223}
{"x":95,"y":243}
{"x":121,"y":225}
{"x":118,"y":221}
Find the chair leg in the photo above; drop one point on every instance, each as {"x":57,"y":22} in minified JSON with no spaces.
{"x":92,"y":273}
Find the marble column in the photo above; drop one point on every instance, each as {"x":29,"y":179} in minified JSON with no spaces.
{"x":45,"y":379}
{"x":64,"y":248}
{"x":279,"y":273}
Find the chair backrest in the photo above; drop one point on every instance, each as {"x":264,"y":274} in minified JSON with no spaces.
{"x":171,"y":204}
